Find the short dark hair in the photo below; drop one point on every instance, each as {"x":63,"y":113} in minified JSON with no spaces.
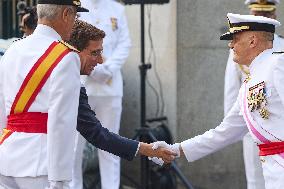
{"x":31,"y":20}
{"x":82,"y":33}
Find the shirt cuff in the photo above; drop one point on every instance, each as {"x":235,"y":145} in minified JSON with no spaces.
{"x":138,"y":147}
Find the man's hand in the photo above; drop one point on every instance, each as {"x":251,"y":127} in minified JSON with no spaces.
{"x":173,"y":147}
{"x":166,"y":155}
{"x":162,"y":144}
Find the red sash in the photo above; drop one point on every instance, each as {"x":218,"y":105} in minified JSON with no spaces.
{"x":271,"y":148}
{"x":20,"y":120}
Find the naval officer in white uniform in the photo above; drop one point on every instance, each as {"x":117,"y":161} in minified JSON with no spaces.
{"x":234,"y":76}
{"x":259,"y":108}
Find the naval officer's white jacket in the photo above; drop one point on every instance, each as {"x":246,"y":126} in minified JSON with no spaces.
{"x":5,"y":44}
{"x":29,"y":154}
{"x":270,"y":69}
{"x":234,"y":76}
{"x":106,"y":79}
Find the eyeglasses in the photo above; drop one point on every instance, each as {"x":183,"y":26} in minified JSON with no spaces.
{"x":97,"y":53}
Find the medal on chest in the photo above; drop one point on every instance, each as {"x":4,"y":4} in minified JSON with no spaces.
{"x":114,"y":24}
{"x":257,"y":100}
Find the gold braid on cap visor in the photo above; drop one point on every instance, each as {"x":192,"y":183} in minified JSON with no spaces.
{"x":239,"y":28}
{"x":258,"y":7}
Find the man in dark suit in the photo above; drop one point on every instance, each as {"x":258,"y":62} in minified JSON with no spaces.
{"x":88,"y":40}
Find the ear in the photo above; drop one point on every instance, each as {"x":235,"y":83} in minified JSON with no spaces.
{"x":82,"y":56}
{"x":65,"y":14}
{"x":253,"y":41}
{"x":82,"y":60}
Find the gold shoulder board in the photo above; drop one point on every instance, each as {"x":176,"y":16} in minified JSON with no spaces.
{"x":69,"y":46}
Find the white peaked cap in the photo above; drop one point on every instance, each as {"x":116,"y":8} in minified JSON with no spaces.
{"x":262,"y":5}
{"x":240,"y":23}
{"x":247,"y":2}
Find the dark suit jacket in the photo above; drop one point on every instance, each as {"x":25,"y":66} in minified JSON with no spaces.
{"x":91,"y":129}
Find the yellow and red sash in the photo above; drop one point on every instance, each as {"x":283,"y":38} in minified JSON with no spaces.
{"x":20,"y":120}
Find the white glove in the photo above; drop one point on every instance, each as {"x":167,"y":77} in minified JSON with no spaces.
{"x":156,"y":145}
{"x":176,"y":148}
{"x":156,"y":160}
{"x":172,"y":147}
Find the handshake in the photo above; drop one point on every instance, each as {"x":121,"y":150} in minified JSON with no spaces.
{"x":160,"y":152}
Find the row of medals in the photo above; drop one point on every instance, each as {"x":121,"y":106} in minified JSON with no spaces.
{"x":257,"y":100}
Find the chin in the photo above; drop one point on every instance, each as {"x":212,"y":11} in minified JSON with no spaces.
{"x":88,"y":72}
{"x":236,"y":60}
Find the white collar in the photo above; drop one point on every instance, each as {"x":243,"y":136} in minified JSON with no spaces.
{"x":97,"y":3}
{"x":258,"y":60}
{"x":47,"y":31}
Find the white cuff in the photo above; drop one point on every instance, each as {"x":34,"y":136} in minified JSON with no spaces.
{"x":138,"y":147}
{"x":58,"y":184}
{"x":188,"y":147}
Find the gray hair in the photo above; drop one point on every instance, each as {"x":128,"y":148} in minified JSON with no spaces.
{"x":266,"y":36}
{"x":50,"y":12}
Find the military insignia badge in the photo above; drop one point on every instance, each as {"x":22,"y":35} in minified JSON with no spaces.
{"x":114,"y":24}
{"x":77,"y":2}
{"x":257,"y":99}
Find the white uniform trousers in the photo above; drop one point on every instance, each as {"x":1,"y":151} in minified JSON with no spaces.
{"x":40,"y":182}
{"x":253,"y":167}
{"x":273,"y":173}
{"x":108,"y":110}
{"x":77,"y":176}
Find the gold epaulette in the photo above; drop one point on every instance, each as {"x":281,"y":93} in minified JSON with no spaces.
{"x":69,"y":46}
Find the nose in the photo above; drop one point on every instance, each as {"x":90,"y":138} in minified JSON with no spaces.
{"x":100,"y":59}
